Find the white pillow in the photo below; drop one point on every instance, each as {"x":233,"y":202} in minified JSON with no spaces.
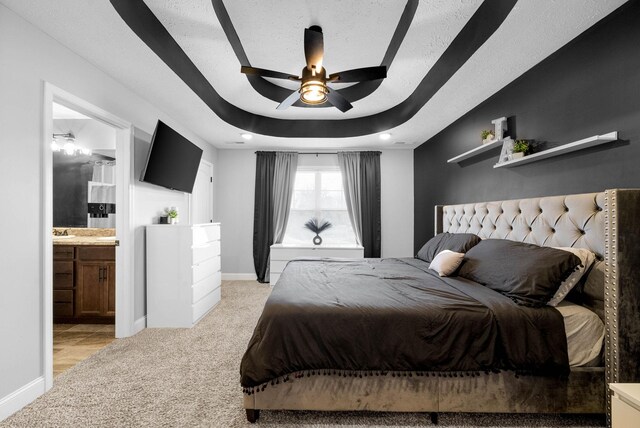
{"x":446,"y":262}
{"x":587,"y":258}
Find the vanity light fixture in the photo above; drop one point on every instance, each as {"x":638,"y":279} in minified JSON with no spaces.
{"x":69,"y":147}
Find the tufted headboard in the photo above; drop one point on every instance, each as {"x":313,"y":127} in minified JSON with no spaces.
{"x":552,"y":221}
{"x":607,"y":223}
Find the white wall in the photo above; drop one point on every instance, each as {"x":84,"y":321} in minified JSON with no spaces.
{"x":28,"y":57}
{"x":89,"y":133}
{"x":396,"y":194}
{"x":235,"y":198}
{"x":235,"y":189}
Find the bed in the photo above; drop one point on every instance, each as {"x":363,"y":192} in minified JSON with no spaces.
{"x":363,"y":380}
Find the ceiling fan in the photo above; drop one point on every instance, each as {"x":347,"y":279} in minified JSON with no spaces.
{"x":313,"y":88}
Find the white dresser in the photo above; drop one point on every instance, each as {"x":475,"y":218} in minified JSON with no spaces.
{"x":625,"y":405}
{"x":183,"y":273}
{"x":282,"y":253}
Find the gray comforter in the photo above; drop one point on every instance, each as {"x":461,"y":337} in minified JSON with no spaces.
{"x":396,"y":315}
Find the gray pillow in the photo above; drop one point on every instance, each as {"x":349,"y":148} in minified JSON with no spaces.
{"x":456,"y":242}
{"x":528,"y":274}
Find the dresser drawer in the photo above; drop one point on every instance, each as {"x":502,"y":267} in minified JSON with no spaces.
{"x":96,"y":253}
{"x":62,"y":274}
{"x":63,"y":309}
{"x":205,"y":251}
{"x":205,"y":269}
{"x":62,"y":296}
{"x":277,"y":266}
{"x":273,"y":278}
{"x":623,"y":415}
{"x":292,"y":253}
{"x":63,"y":252}
{"x":204,"y":234}
{"x":206,"y":286}
{"x":201,"y":307}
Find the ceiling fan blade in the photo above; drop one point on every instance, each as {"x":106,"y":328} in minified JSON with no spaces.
{"x":338,"y":101}
{"x":267,"y":73}
{"x":359,"y":74}
{"x":313,"y":47}
{"x":288,"y":102}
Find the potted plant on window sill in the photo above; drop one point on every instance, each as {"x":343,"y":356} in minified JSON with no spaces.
{"x":317,"y":227}
{"x":520,"y":149}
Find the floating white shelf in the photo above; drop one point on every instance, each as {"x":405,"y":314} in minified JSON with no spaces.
{"x":474,"y":152}
{"x":596,"y":140}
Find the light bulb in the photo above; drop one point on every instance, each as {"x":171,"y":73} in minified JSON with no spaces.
{"x":313,"y":92}
{"x":85,"y":151}
{"x":69,"y":148}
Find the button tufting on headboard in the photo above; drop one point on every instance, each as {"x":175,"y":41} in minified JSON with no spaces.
{"x":553,"y":221}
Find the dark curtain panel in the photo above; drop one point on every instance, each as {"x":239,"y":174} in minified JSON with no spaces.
{"x":370,"y":200}
{"x":263,"y":213}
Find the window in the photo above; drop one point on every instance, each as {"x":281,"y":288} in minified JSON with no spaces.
{"x":319,"y":193}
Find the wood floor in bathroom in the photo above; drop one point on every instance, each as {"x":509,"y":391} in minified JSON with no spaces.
{"x":73,"y":343}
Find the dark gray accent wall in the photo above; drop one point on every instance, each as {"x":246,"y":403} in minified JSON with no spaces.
{"x":590,"y":86}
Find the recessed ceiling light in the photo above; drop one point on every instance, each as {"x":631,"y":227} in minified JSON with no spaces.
{"x":246,"y":136}
{"x":385,"y":136}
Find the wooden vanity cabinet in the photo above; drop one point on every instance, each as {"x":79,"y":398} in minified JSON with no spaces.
{"x":84,"y":288}
{"x":63,"y":282}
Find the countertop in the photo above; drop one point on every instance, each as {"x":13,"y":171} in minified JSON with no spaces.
{"x":84,"y":236}
{"x":83,"y":240}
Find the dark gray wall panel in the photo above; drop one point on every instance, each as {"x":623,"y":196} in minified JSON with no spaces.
{"x":590,"y":86}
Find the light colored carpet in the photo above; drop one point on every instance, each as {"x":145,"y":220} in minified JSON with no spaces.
{"x":190,"y":378}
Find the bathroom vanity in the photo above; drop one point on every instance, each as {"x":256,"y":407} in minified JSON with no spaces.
{"x":84,"y":274}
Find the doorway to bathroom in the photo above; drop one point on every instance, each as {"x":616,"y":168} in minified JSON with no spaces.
{"x":88,"y":281}
{"x":84,"y":236}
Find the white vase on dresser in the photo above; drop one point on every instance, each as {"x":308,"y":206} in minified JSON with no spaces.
{"x":183,"y":273}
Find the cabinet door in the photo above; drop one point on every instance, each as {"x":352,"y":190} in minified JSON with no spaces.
{"x":109,"y":287}
{"x":90,"y":288}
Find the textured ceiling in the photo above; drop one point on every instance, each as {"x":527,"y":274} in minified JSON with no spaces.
{"x":357,"y":34}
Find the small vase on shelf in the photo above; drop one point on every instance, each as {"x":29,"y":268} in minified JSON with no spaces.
{"x":317,"y":240}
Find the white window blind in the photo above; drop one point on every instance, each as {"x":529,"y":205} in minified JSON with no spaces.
{"x":318,"y":192}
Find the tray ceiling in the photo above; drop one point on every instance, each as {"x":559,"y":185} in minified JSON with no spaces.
{"x":356,"y":33}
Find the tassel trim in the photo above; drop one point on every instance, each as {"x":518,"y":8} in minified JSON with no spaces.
{"x":378,"y":373}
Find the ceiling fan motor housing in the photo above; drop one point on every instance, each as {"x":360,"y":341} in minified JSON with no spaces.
{"x":314,"y":88}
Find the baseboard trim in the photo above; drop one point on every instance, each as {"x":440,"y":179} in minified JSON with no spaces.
{"x":238,"y":276}
{"x":139,"y":325}
{"x":21,"y":397}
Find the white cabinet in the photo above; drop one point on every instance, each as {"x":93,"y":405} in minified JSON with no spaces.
{"x":625,"y":405}
{"x":183,"y":273}
{"x":282,"y":253}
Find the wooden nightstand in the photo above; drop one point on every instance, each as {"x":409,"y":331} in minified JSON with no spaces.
{"x":625,"y":405}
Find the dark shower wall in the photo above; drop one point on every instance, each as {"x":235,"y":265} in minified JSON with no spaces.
{"x":70,"y":177}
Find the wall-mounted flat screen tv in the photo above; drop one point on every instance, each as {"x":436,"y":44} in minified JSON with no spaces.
{"x":172,"y":161}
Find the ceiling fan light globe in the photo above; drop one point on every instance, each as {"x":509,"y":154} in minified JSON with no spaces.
{"x":313,"y":92}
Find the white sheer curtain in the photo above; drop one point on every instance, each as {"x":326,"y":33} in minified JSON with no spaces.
{"x":283,"y":181}
{"x":350,"y":167}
